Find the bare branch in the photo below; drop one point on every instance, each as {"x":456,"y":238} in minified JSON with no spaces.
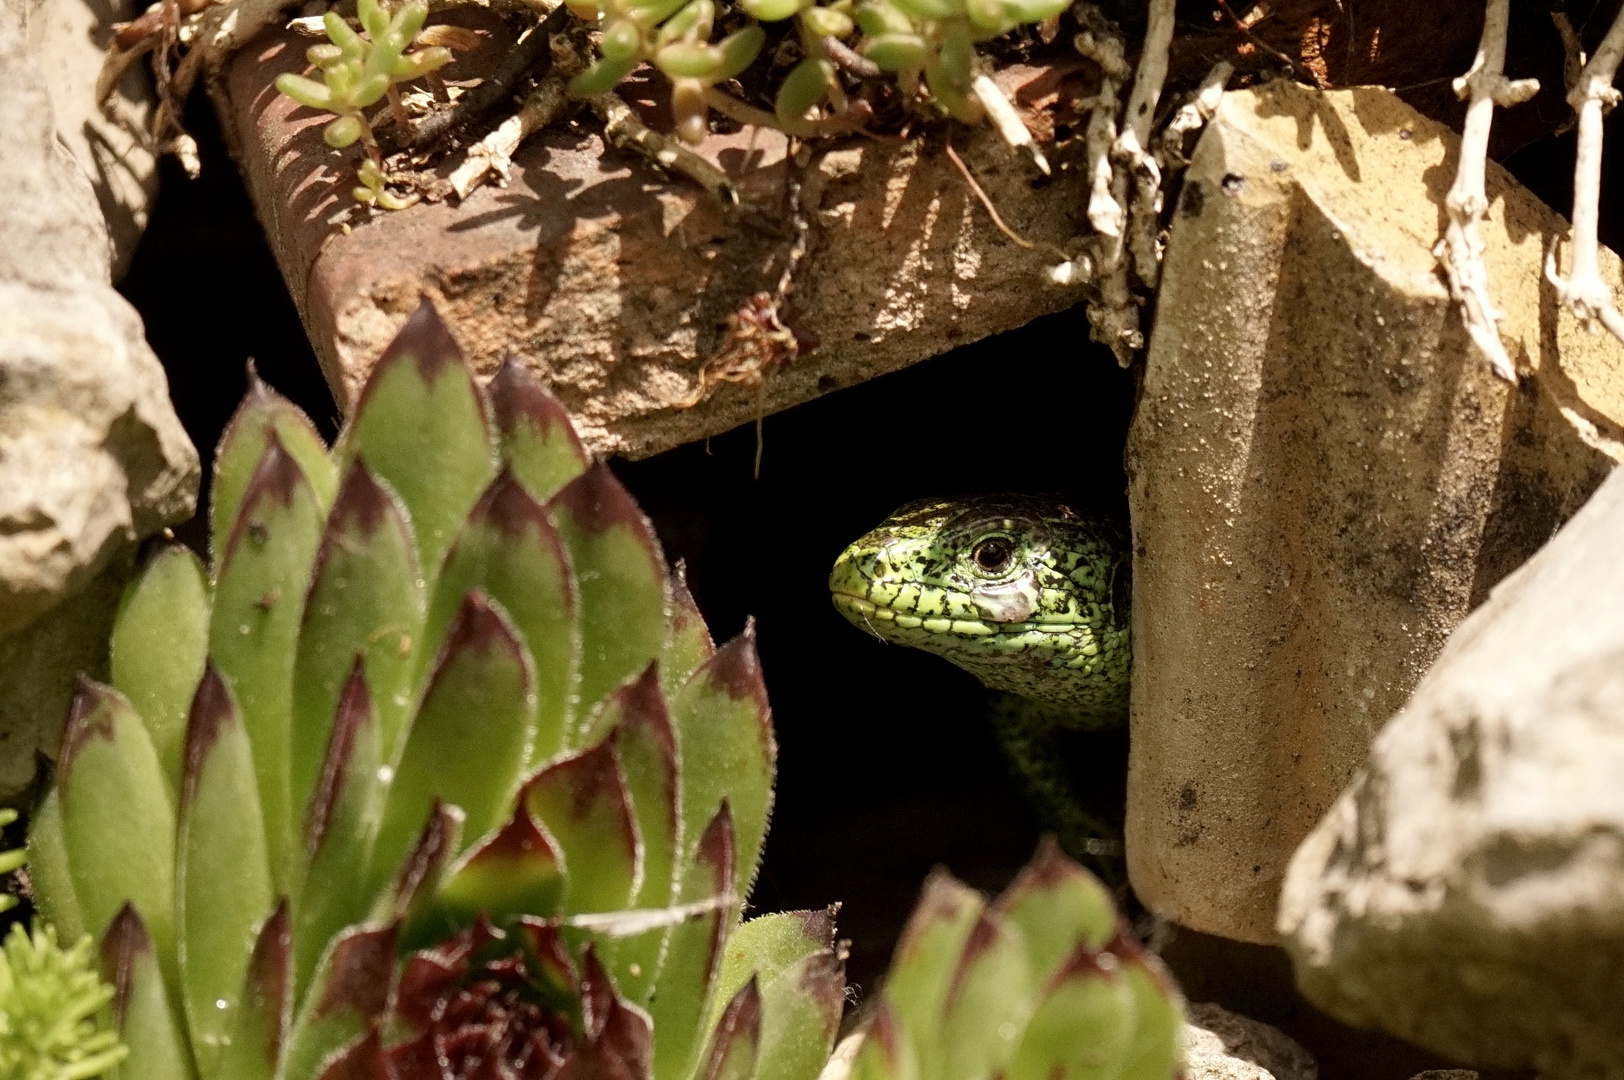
{"x":1584,"y":292}
{"x":494,"y":153}
{"x":622,"y":127}
{"x":1007,"y":120}
{"x":1461,"y":249}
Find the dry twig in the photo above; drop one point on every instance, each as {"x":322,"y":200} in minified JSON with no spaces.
{"x":622,"y":127}
{"x":1584,"y":292}
{"x":1461,"y":249}
{"x":1007,"y":120}
{"x":494,"y":153}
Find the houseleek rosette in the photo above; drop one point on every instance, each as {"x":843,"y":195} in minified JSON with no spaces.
{"x":1045,"y":983}
{"x":434,"y":772}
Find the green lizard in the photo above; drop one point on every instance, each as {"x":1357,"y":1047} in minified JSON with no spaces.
{"x":1027,"y":595}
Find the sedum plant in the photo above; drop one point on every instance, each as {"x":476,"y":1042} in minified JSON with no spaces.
{"x":1045,"y":983}
{"x":52,"y":1001}
{"x":433,"y":773}
{"x":359,"y":67}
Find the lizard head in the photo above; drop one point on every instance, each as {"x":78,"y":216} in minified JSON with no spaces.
{"x":1021,"y":591}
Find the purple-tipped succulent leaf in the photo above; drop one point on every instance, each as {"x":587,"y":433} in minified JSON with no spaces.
{"x":422,"y":425}
{"x":538,"y":440}
{"x":582,"y":802}
{"x":621,"y":575}
{"x":510,"y":551}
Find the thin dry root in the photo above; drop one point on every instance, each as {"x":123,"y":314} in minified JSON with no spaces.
{"x":1192,"y":116}
{"x":493,"y":155}
{"x":622,"y":127}
{"x":1007,"y":120}
{"x":1584,"y":292}
{"x":1461,"y":249}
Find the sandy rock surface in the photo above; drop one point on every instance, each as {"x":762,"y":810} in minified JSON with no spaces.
{"x":1467,"y":891}
{"x":1324,"y":477}
{"x":92,"y":457}
{"x":1221,"y":1045}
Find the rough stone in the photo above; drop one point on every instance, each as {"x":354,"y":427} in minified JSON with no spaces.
{"x":92,"y":457}
{"x":613,"y":284}
{"x":68,"y":40}
{"x":1221,"y":1045}
{"x":1324,"y":478}
{"x":1466,"y":892}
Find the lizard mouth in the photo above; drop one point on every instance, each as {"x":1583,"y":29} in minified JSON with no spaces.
{"x":865,"y":613}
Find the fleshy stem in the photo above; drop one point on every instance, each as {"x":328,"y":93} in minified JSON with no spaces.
{"x":1584,"y":292}
{"x":1461,"y":249}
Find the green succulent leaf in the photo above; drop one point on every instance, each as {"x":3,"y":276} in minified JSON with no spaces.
{"x":621,"y":41}
{"x":1156,"y":1050}
{"x":348,"y":997}
{"x":420,"y":424}
{"x":307,"y":92}
{"x":725,"y":738}
{"x":412,"y":892}
{"x":827,"y":22}
{"x":222,"y":870}
{"x":48,"y":866}
{"x":515,"y":872}
{"x":688,"y":641}
{"x":1057,"y":906}
{"x":602,"y":77}
{"x":108,"y":771}
{"x":1083,"y":1027}
{"x":877,"y":17}
{"x":142,"y":1006}
{"x":581,"y":801}
{"x":259,"y":596}
{"x":339,"y":825}
{"x":926,"y":957}
{"x":242,"y":447}
{"x":644,"y":744}
{"x":764,"y":947}
{"x":772,"y":10}
{"x":264,"y":1006}
{"x":344,"y":131}
{"x":740,"y":49}
{"x":806,"y":85}
{"x":929,"y":9}
{"x":621,"y":579}
{"x":888,"y":1051}
{"x":365,"y":600}
{"x":896,"y":52}
{"x":989,"y":997}
{"x":694,"y":949}
{"x":735,"y":1045}
{"x":160,"y":641}
{"x":510,"y":550}
{"x":469,"y":742}
{"x":801,"y":1010}
{"x":691,"y":60}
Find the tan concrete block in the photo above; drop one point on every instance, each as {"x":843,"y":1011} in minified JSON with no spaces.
{"x":1324,"y":478}
{"x":613,"y":284}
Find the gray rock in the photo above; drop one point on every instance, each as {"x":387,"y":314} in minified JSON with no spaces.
{"x":1221,"y":1045}
{"x":1324,"y":477}
{"x":68,"y":39}
{"x":1466,"y":892}
{"x":92,"y":457}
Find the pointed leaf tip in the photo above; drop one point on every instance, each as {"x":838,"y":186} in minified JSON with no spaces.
{"x":125,"y":941}
{"x":360,"y":972}
{"x":362,"y":506}
{"x":478,"y":628}
{"x":517,"y":396}
{"x":87,"y":719}
{"x":354,"y":713}
{"x":424,"y":339}
{"x":511,"y":510}
{"x":213,"y":707}
{"x":598,"y":501}
{"x":736,"y":668}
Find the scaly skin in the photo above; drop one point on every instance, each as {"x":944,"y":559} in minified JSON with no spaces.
{"x":1050,"y":623}
{"x":1028,"y":596}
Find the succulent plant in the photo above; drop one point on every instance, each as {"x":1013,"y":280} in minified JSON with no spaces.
{"x":1043,"y":984}
{"x":358,"y":69}
{"x":52,"y":1002}
{"x":434,"y":773}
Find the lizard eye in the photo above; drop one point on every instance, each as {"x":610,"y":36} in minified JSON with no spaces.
{"x":994,"y":555}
